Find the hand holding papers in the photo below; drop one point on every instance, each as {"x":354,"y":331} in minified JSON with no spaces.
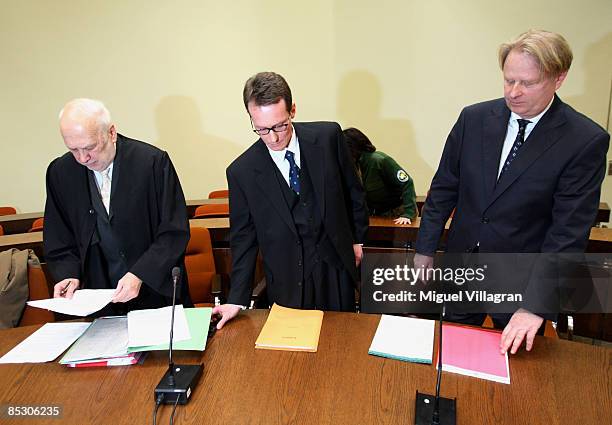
{"x":404,"y":338}
{"x":83,"y":303}
{"x":291,"y":330}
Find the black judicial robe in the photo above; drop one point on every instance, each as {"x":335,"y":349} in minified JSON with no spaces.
{"x":148,"y":216}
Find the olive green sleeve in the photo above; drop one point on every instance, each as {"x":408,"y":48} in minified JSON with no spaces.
{"x":397,"y":176}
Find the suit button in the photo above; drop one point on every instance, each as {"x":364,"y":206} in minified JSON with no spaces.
{"x":304,"y":204}
{"x":484,"y":220}
{"x":300,"y":263}
{"x":299,"y":242}
{"x":300,"y":283}
{"x":121,"y":254}
{"x":91,"y":211}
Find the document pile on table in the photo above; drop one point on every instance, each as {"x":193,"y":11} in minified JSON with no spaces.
{"x":290,"y":329}
{"x":404,"y":338}
{"x":114,"y":341}
{"x":474,"y":352}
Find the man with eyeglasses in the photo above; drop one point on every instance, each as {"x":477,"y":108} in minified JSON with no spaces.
{"x":294,"y":197}
{"x":524,"y":173}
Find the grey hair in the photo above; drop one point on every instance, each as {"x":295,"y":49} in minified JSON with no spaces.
{"x":88,"y":108}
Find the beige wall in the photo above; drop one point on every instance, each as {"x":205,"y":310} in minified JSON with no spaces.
{"x":172,"y":73}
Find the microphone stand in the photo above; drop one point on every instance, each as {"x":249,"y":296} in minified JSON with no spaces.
{"x":435,"y":410}
{"x":178,"y":382}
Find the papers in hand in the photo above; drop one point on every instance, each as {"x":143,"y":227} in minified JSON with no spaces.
{"x":291,"y":330}
{"x":404,"y":338}
{"x":474,"y":352}
{"x":83,"y":303}
{"x":152,"y":326}
{"x":46,"y":344}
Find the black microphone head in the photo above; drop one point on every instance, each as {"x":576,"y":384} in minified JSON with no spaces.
{"x":176,"y":272}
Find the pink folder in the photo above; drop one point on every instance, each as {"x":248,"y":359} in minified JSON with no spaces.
{"x":474,"y":352}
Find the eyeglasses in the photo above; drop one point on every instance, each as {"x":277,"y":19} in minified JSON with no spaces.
{"x":279,"y":128}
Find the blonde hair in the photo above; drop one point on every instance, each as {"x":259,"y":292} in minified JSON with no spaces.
{"x":550,"y":50}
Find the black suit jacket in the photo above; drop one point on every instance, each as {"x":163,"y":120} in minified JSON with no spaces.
{"x":546,"y":201}
{"x":260,"y":218}
{"x":147,"y":213}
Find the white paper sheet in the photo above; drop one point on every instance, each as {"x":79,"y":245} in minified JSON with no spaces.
{"x":84,"y":302}
{"x":152,"y":327}
{"x":46,"y":344}
{"x":404,"y":338}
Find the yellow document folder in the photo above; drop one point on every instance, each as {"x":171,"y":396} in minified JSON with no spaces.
{"x":291,"y":329}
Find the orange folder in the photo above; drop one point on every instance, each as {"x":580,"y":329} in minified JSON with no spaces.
{"x":290,"y":329}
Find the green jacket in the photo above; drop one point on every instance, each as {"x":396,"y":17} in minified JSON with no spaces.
{"x":386,"y":184}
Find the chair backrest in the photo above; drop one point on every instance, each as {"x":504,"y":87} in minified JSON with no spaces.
{"x":38,"y":290}
{"x":200,"y":265}
{"x":218,"y":194}
{"x":212,"y":210}
{"x":37,"y":225}
{"x":7,"y":210}
{"x":1,"y":230}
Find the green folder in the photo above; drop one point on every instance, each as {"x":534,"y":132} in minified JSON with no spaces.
{"x":198,"y":320}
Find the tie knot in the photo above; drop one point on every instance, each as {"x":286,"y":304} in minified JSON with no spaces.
{"x":289,"y":157}
{"x":522,"y":124}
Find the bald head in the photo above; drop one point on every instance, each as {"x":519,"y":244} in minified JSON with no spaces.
{"x":89,"y":134}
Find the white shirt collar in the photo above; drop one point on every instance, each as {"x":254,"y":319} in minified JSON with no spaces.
{"x":279,"y":156}
{"x":533,"y":121}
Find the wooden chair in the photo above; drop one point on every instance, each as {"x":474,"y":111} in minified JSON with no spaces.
{"x":37,"y":226}
{"x":38,"y":290}
{"x":204,"y":282}
{"x":215,"y":194}
{"x":212,"y":211}
{"x":7,"y":210}
{"x":1,"y":230}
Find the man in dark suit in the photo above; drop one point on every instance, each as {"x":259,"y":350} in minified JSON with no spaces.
{"x":115,"y":215}
{"x":295,"y":197}
{"x":523,"y":172}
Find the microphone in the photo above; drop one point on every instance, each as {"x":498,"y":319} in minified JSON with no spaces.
{"x":443,"y":410}
{"x":178,"y":382}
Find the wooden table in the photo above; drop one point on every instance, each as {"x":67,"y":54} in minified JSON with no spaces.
{"x":18,"y":223}
{"x":559,"y":382}
{"x":21,"y":223}
{"x":192,"y":204}
{"x":382,"y":233}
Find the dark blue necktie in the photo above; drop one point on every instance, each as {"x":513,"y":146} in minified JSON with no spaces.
{"x":294,"y":172}
{"x":518,"y":142}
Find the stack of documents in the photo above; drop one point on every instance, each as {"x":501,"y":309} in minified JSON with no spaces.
{"x":152,"y":326}
{"x":104,"y":343}
{"x":118,"y":341}
{"x":404,"y":338}
{"x":198,"y":321}
{"x":474,"y":352}
{"x":291,"y":330}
